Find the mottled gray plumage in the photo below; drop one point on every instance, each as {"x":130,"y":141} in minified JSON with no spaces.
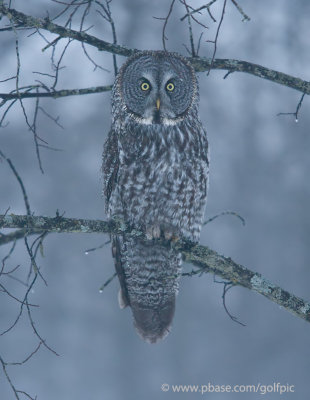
{"x":155,"y":166}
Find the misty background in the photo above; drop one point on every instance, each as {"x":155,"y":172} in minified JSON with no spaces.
{"x":259,"y":168}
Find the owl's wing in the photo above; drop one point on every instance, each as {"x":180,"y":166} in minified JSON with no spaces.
{"x":110,"y":167}
{"x":110,"y":164}
{"x":123,"y":298}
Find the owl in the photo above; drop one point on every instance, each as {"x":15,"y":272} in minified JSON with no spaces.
{"x":155,"y":168}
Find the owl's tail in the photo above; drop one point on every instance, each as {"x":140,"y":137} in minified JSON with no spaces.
{"x":153,"y":324}
{"x":149,"y":277}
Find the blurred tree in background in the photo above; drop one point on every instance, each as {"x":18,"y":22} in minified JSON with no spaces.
{"x":53,"y":121}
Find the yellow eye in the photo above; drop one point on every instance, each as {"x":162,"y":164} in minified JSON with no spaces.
{"x":170,"y":87}
{"x":145,"y":86}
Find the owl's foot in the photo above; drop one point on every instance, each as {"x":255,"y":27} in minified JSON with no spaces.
{"x":153,"y":232}
{"x":168,"y":235}
{"x":156,"y":232}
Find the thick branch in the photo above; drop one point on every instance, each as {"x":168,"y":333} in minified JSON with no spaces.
{"x":198,"y":255}
{"x":226,"y":268}
{"x":55,"y":93}
{"x":27,"y":21}
{"x":58,"y":224}
{"x":200,"y":64}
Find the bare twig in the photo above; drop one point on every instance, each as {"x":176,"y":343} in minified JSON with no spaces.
{"x":225,"y":213}
{"x":107,"y":282}
{"x":165,"y":19}
{"x":216,"y":36}
{"x":198,"y":271}
{"x":21,"y":184}
{"x":72,"y":2}
{"x":2,"y":125}
{"x":54,"y":119}
{"x":4,"y":365}
{"x":197,"y":10}
{"x":226,"y":287}
{"x":3,"y":289}
{"x":83,"y":18}
{"x":199,"y":41}
{"x":34,"y":267}
{"x":34,"y":130}
{"x":190,"y":29}
{"x":190,"y":17}
{"x":6,"y":257}
{"x":228,"y":73}
{"x":97,"y":248}
{"x":28,"y":357}
{"x":51,"y":44}
{"x":33,"y":126}
{"x":8,"y":79}
{"x":245,"y":17}
{"x":295,"y":114}
{"x":107,"y":15}
{"x":56,"y":66}
{"x":36,"y":331}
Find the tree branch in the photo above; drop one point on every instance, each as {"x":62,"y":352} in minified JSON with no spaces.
{"x":200,"y":64}
{"x":201,"y":256}
{"x":55,"y":93}
{"x":27,"y":21}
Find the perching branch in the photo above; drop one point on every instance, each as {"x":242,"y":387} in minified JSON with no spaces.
{"x":200,"y":64}
{"x":59,"y":224}
{"x":201,"y":256}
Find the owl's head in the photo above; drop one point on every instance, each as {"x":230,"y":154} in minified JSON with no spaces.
{"x":157,"y":87}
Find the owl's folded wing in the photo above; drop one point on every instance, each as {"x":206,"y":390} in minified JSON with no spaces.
{"x":110,"y":163}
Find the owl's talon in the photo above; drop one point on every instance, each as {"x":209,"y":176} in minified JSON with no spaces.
{"x":153,"y":232}
{"x":168,"y":235}
{"x":148,"y":235}
{"x":175,"y":239}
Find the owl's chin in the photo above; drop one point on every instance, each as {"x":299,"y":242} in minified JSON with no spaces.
{"x":157,"y":119}
{"x":163,"y":121}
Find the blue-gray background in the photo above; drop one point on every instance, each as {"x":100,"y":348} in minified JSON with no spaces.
{"x":259,"y":168}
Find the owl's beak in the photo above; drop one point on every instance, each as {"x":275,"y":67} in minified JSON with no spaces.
{"x":157,"y":104}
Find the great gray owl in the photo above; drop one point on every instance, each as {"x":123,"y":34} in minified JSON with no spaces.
{"x":155,"y":166}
